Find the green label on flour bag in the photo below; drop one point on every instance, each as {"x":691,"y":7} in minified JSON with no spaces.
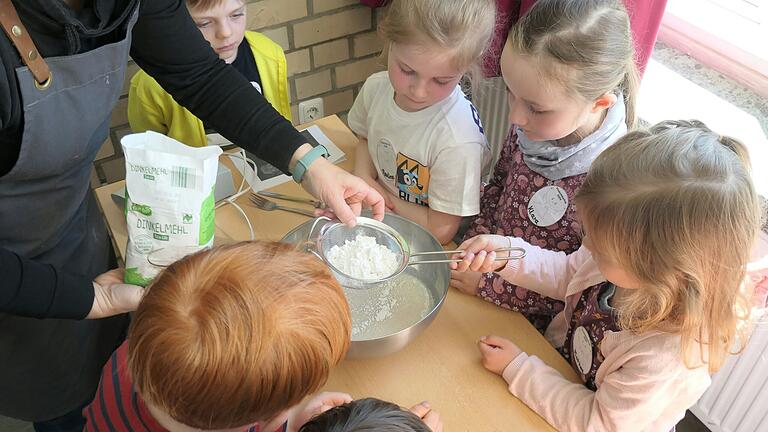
{"x":133,"y":277}
{"x":169,"y":202}
{"x":207,"y":222}
{"x":143,"y":209}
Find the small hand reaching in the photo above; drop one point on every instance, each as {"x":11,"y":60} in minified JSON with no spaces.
{"x":466,"y":282}
{"x":497,"y":353}
{"x":315,"y":405}
{"x":430,"y":417}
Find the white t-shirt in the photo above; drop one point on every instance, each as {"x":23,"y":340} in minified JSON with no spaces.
{"x":431,"y":157}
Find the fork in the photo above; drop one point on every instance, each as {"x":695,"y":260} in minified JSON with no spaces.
{"x":267,"y":205}
{"x":314,"y":203}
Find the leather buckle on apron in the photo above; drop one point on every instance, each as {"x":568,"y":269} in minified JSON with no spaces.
{"x":19,"y":36}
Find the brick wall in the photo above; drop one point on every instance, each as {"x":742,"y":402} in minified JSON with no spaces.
{"x":331,"y":47}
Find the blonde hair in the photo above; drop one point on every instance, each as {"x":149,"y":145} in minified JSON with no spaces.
{"x":463,"y":26}
{"x":676,"y":208}
{"x":589,"y":43}
{"x":237,"y":334}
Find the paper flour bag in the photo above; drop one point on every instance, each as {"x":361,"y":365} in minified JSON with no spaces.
{"x":169,"y":202}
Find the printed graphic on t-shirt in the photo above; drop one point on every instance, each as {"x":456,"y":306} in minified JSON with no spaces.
{"x":475,"y":116}
{"x":385,"y":155}
{"x":257,"y":86}
{"x":412,"y":180}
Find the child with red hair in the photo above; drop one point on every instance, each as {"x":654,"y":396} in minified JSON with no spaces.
{"x":232,"y":338}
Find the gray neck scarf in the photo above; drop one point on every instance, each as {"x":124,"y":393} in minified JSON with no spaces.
{"x":556,"y":162}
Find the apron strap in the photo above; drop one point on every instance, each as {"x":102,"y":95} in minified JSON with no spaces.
{"x":19,"y":36}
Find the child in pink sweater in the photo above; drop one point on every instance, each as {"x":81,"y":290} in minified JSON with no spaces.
{"x":571,"y":83}
{"x":655,"y":298}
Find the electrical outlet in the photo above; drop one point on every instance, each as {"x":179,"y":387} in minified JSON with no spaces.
{"x":310,"y":110}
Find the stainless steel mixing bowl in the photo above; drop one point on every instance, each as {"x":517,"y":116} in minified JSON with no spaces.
{"x":436,"y":277}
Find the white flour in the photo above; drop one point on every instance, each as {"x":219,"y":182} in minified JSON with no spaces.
{"x":388,"y":308}
{"x":363,"y":258}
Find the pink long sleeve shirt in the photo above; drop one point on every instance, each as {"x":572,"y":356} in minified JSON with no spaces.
{"x":642,"y":384}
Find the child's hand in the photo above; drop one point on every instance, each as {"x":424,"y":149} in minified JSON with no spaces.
{"x":478,"y":254}
{"x":315,"y":405}
{"x":430,"y":417}
{"x":466,"y":282}
{"x":497,"y":353}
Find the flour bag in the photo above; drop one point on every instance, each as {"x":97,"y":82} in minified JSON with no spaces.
{"x":169,"y":202}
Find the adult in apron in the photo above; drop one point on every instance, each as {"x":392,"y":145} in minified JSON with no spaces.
{"x":50,"y":367}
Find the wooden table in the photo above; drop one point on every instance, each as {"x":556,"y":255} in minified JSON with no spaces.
{"x":442,"y":365}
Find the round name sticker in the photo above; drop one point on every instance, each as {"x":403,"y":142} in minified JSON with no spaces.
{"x":581,"y":350}
{"x":547,"y":205}
{"x":385,"y":156}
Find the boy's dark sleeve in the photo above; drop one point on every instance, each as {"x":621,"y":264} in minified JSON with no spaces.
{"x":32,"y":289}
{"x":169,"y":47}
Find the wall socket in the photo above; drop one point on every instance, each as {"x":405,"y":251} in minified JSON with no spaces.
{"x":311,"y":110}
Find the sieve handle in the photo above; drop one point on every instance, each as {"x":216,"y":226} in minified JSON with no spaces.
{"x":520,"y":254}
{"x":314,"y":225}
{"x":455,"y":261}
{"x":309,"y":247}
{"x":312,"y":251}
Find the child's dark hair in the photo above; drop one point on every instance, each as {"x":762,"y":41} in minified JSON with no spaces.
{"x":365,"y":415}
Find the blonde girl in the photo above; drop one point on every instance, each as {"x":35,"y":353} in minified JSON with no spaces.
{"x":571,"y":82}
{"x":421,"y":141}
{"x":655,"y":297}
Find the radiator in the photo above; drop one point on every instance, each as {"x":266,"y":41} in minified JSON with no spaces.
{"x":737,"y":401}
{"x":491,"y":103}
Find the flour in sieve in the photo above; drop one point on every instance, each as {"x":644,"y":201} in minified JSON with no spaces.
{"x":363,"y":258}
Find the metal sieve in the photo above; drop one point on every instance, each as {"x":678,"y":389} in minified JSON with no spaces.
{"x":336,"y":234}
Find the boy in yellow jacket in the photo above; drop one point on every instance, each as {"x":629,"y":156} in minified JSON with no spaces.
{"x":256,"y":57}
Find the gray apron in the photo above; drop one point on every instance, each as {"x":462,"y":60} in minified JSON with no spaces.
{"x":48,"y":214}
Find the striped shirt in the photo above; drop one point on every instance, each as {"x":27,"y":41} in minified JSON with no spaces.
{"x":117,"y":406}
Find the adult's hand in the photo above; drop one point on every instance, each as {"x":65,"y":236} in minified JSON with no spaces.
{"x":389,"y":205}
{"x":344,"y":193}
{"x":112,"y":296}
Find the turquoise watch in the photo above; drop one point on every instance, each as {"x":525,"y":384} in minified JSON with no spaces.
{"x":303,"y":164}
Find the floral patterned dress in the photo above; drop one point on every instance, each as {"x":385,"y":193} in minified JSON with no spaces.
{"x":592,"y":318}
{"x":504,"y":211}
